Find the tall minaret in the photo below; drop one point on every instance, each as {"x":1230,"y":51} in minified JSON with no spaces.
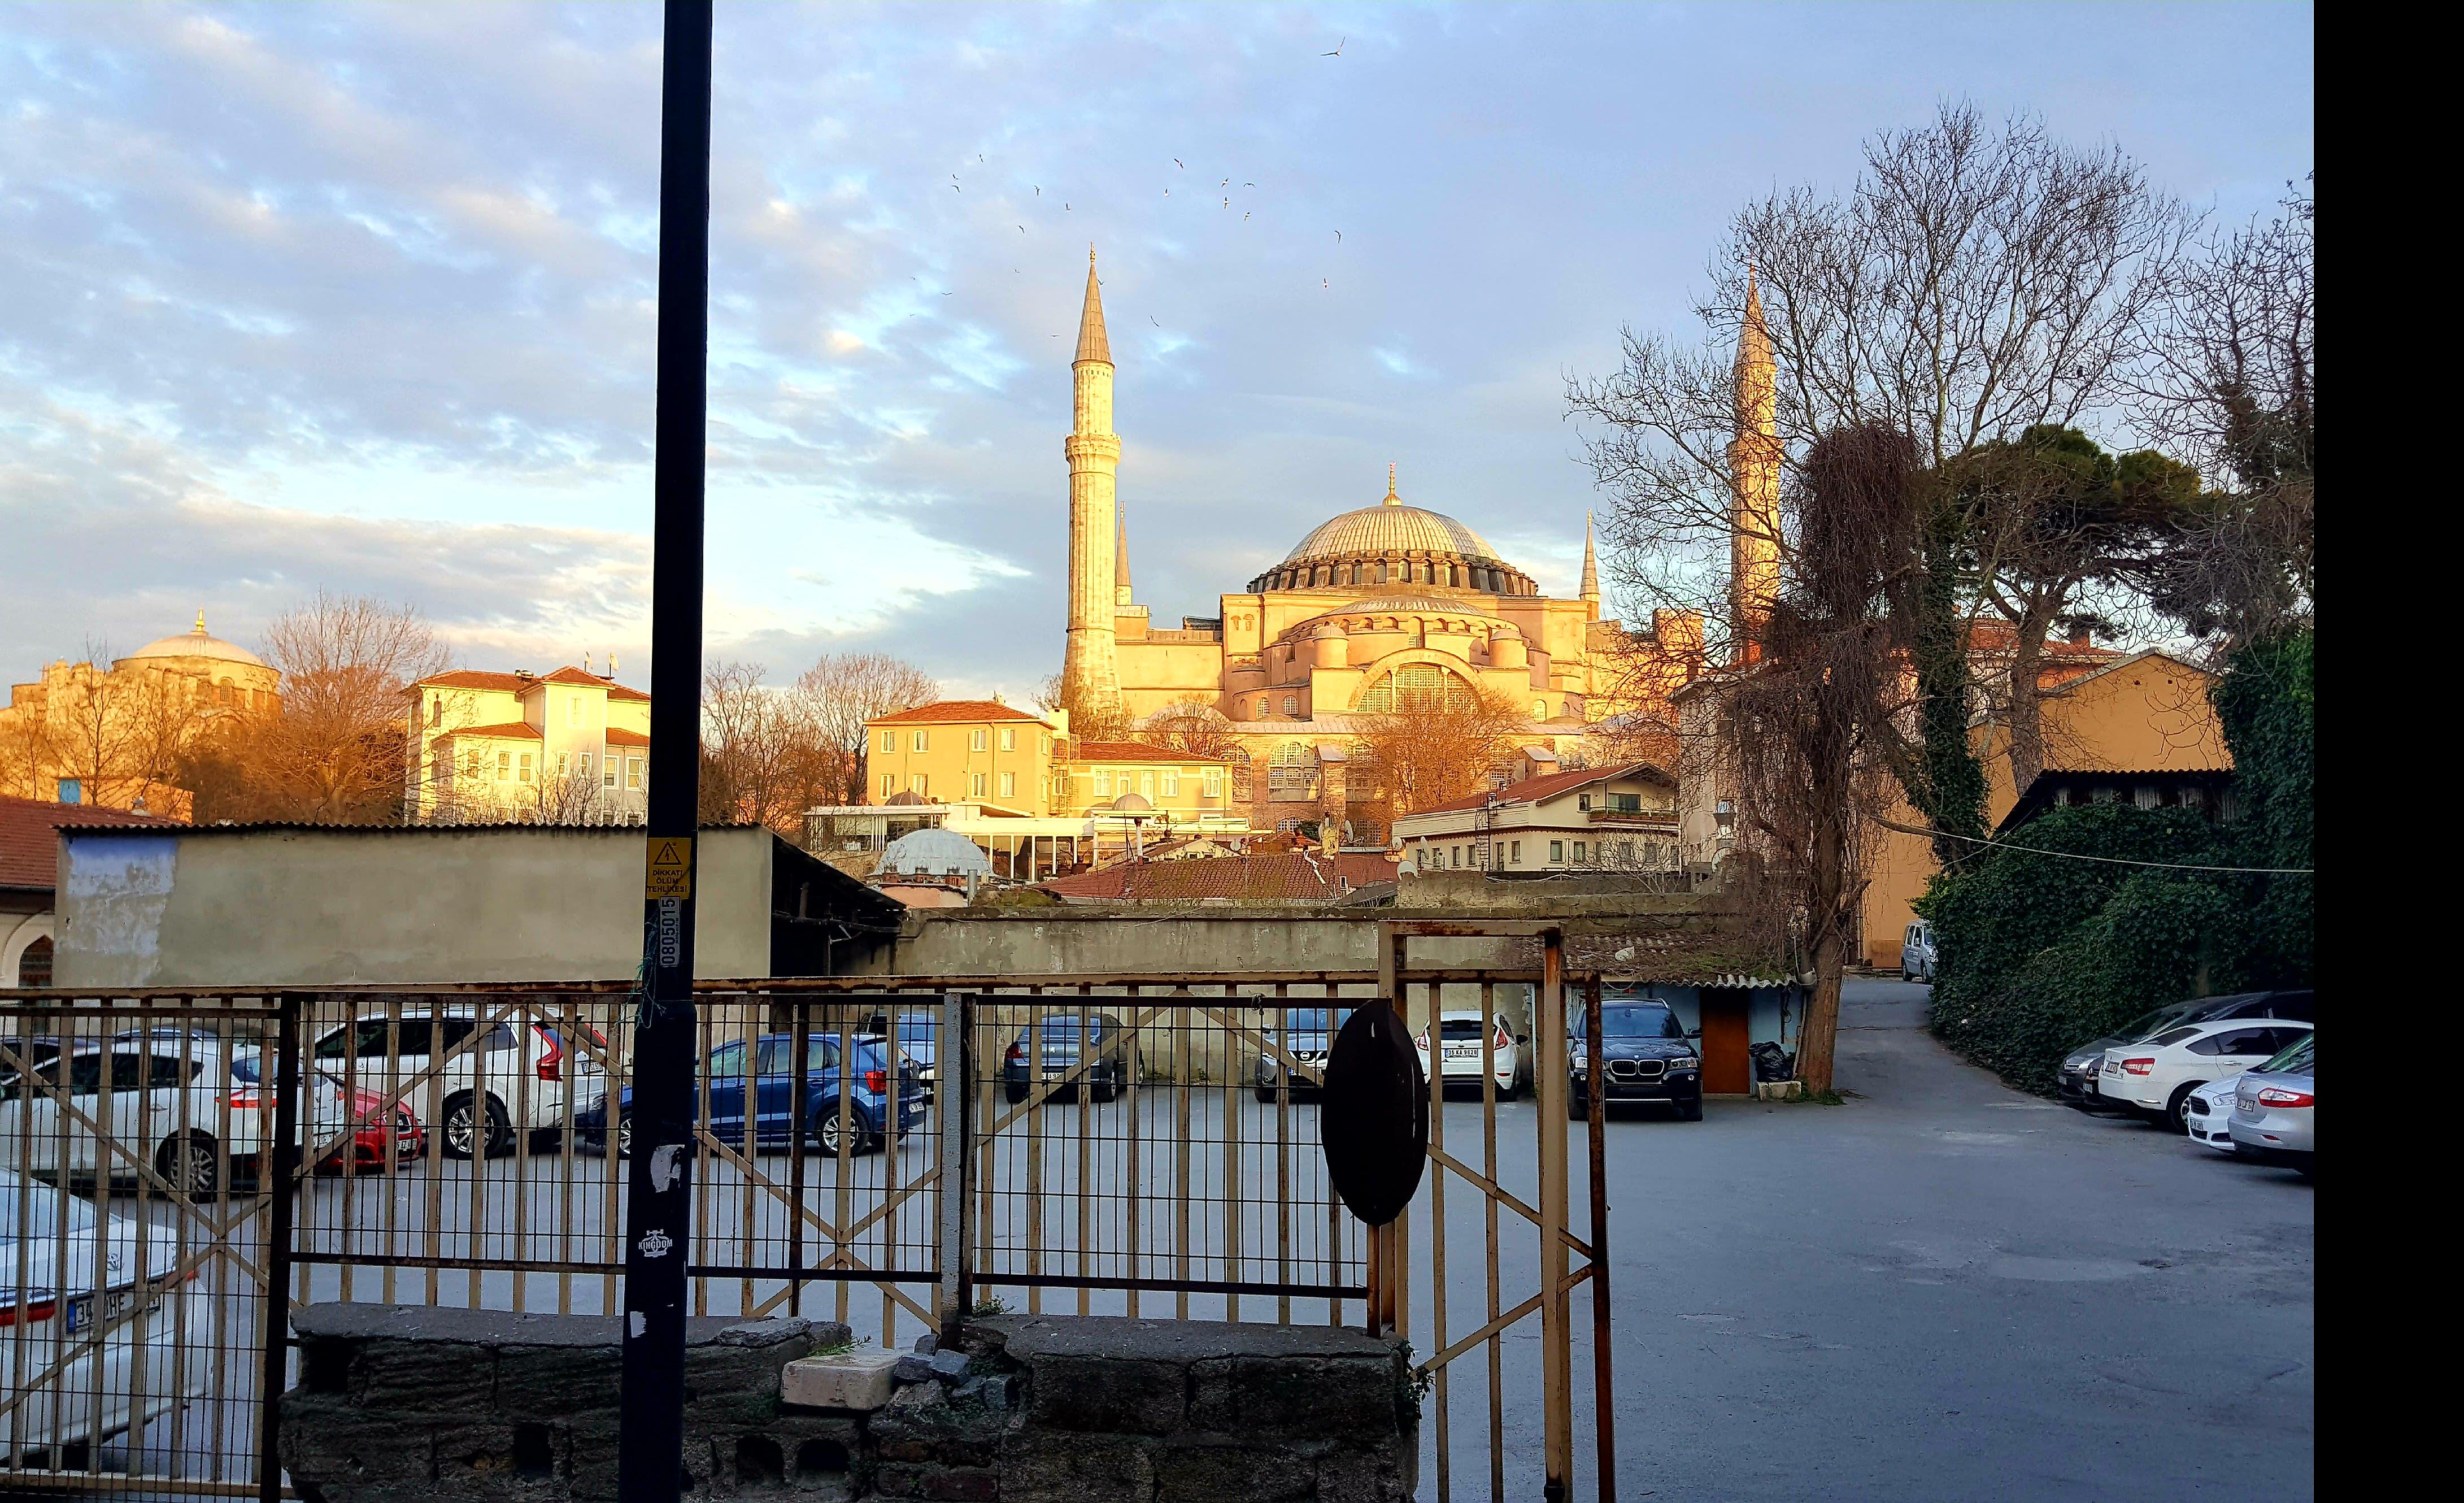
{"x":1591,"y":571}
{"x":1089,"y":671}
{"x":1753,"y":476}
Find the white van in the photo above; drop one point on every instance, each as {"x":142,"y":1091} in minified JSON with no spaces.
{"x":1916,"y":953}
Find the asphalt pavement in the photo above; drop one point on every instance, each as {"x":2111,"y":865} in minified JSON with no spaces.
{"x":1948,"y":1289}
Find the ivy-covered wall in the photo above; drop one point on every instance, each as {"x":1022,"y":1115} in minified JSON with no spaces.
{"x":2040,"y":952}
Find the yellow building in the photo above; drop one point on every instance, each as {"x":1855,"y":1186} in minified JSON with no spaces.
{"x":976,"y":751}
{"x":570,"y":747}
{"x":1379,"y":598}
{"x":111,"y":736}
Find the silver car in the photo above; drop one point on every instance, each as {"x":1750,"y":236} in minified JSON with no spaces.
{"x":1917,"y":953}
{"x":1306,"y":1035}
{"x":2276,"y":1108}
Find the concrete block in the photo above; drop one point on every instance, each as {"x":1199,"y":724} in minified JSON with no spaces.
{"x":1106,"y":1396}
{"x":1295,"y":1398}
{"x":857,"y":1380}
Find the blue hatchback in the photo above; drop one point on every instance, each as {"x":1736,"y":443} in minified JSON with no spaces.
{"x":725,"y":1088}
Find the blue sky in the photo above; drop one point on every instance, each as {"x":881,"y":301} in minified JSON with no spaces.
{"x":364,"y":297}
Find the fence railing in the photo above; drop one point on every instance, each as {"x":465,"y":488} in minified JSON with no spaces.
{"x":884,"y":1151}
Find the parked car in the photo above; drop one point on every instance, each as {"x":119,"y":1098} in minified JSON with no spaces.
{"x":64,"y":1266}
{"x":1065,"y":1044}
{"x":725,"y":1090}
{"x":1917,"y":953}
{"x":1458,"y":1031}
{"x":519,"y":1068}
{"x":1646,"y":1054}
{"x":2156,"y":1077}
{"x":2077,"y":1082}
{"x":918,"y":1030}
{"x":1304,"y":1035}
{"x":2208,"y":1111}
{"x":331,"y":1106}
{"x":173,"y":1104}
{"x":2275,"y":1109}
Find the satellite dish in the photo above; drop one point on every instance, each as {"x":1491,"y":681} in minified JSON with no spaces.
{"x":1374,"y":1116}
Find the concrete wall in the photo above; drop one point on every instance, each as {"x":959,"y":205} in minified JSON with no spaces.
{"x":333,"y":907}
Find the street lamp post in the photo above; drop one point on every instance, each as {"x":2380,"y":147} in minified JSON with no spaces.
{"x":658,"y":1187}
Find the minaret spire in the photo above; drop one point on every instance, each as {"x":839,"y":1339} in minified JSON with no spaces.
{"x":1590,"y":570}
{"x":1392,"y":500}
{"x":1099,"y":579}
{"x":1121,"y":595}
{"x":1753,"y":474}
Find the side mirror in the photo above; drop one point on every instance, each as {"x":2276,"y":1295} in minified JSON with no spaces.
{"x":1693,"y":1033}
{"x":1522,"y":1038}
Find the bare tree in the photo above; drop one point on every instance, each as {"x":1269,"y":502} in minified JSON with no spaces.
{"x":338,"y":749}
{"x":1805,"y":730}
{"x":840,"y":692}
{"x":2230,"y":382}
{"x":1430,"y":744}
{"x":1192,"y":725}
{"x":1975,"y":282}
{"x":763,"y":759}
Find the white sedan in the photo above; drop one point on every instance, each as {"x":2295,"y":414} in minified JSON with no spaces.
{"x":110,"y":1111}
{"x":88,"y":1322}
{"x":2207,"y":1114}
{"x":2156,"y":1077}
{"x":1458,"y":1031}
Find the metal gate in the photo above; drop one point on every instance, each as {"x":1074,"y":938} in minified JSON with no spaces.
{"x":893,"y":1152}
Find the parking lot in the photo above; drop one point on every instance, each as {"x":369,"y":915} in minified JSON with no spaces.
{"x":1947,"y":1289}
{"x":1941,"y":1288}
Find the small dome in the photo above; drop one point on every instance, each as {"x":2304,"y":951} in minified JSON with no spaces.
{"x":911,"y":799}
{"x":1131,"y":804}
{"x":195,"y":643}
{"x":936,"y":852}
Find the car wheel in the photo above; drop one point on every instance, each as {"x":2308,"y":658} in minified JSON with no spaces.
{"x":1690,"y":1110}
{"x":827,"y":1139}
{"x":1266,"y":1093}
{"x":191,"y":1165}
{"x":1016,"y":1093}
{"x":2177,"y":1112}
{"x":463,"y":1128}
{"x":1507,"y":1092}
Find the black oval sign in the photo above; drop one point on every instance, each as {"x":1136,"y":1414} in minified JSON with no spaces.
{"x":1373,"y":1123}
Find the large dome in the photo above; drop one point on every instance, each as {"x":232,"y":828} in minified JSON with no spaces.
{"x":1390,"y":528}
{"x":195,"y":643}
{"x":1391,"y":543}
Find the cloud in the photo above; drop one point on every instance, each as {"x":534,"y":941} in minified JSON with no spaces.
{"x":367,"y":296}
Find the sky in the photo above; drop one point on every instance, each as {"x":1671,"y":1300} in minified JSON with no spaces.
{"x":363,"y":297}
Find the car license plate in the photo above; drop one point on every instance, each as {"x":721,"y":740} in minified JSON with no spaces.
{"x":81,"y":1309}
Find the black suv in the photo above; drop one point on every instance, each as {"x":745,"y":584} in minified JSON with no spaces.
{"x":1645,"y":1056}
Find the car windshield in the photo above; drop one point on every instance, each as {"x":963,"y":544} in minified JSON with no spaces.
{"x":2300,"y":1057}
{"x":38,"y":1208}
{"x":1638,"y":1020}
{"x":2139,"y":1029}
{"x":1316,"y":1020}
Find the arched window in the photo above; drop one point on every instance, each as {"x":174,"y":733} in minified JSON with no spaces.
{"x":1261,"y":707}
{"x":35,"y":963}
{"x":1291,"y":704}
{"x":1381,"y":573}
{"x":1539,"y":709}
{"x":1416,"y":683}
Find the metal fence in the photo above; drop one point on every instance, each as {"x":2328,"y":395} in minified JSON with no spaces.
{"x":881,"y":1152}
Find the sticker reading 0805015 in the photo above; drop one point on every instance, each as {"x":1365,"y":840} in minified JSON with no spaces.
{"x":670,"y":874}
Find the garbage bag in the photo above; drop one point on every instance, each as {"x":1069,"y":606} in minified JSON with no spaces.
{"x":1771,"y":1062}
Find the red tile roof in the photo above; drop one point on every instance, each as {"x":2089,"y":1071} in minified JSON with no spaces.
{"x":957,"y":710}
{"x":30,"y":839}
{"x":1299,"y":877}
{"x":1532,"y":790}
{"x":516,"y":728}
{"x":516,"y":683}
{"x":1131,"y":751}
{"x":618,"y":736}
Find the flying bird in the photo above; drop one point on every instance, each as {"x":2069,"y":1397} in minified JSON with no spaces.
{"x":1338,"y":238}
{"x":1322,"y":281}
{"x":1151,"y":319}
{"x":1176,"y":162}
{"x":1338,"y":50}
{"x":1021,"y":229}
{"x":1245,"y":216}
{"x":1226,"y":182}
{"x":1039,"y":188}
{"x":1248,"y":184}
{"x":945,"y":295}
{"x":1227,"y":202}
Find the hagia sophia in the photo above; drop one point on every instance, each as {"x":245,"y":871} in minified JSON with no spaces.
{"x":1383,"y":598}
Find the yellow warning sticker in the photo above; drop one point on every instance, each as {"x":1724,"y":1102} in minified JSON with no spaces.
{"x":670,"y":870}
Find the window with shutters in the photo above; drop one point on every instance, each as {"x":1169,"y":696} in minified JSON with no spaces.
{"x":1009,"y":785}
{"x":979,"y":739}
{"x":923,"y":740}
{"x":976,"y":785}
{"x":1009,"y":737}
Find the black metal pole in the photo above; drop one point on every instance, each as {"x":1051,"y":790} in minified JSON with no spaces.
{"x":658,"y":1187}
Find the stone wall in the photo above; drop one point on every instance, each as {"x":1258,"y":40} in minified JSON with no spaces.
{"x":409,"y":1403}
